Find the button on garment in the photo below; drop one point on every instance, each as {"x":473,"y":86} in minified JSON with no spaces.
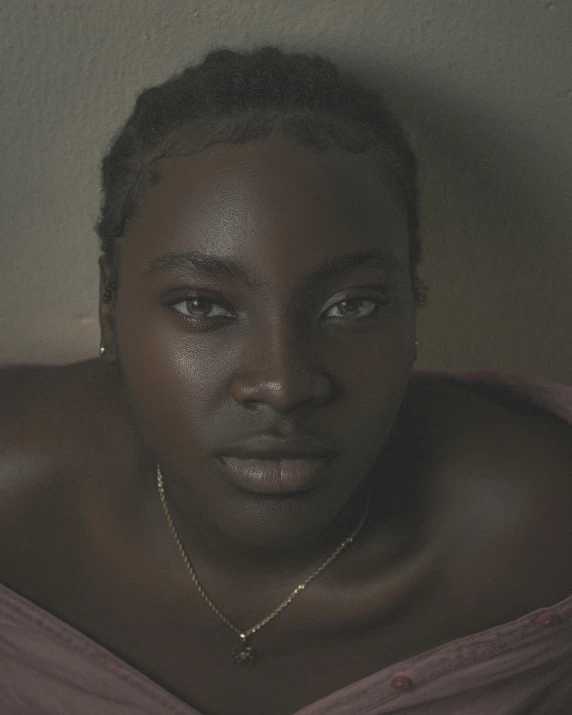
{"x":47,"y":667}
{"x":549,"y":618}
{"x":400,"y":681}
{"x":523,"y":667}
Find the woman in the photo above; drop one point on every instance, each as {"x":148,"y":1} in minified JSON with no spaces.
{"x":251,"y":503}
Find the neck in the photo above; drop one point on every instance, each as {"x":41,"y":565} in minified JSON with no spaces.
{"x":211,"y":548}
{"x":217,"y":556}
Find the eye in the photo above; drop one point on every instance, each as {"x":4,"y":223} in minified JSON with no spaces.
{"x":347,"y":308}
{"x":197,"y":307}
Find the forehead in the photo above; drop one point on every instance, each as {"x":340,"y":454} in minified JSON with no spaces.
{"x":229,"y":197}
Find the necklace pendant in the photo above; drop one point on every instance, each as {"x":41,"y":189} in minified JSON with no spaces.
{"x":244,"y":654}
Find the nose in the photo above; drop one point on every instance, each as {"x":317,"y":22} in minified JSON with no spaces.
{"x":281,"y":373}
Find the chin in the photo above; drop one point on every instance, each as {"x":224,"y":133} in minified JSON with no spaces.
{"x":274,"y":523}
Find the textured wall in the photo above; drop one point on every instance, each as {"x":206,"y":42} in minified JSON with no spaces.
{"x":485,"y":89}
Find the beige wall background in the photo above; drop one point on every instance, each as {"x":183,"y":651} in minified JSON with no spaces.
{"x":483,"y":87}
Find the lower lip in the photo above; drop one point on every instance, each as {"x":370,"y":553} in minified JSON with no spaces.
{"x":265,"y":476}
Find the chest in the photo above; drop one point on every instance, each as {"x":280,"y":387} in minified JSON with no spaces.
{"x":475,"y":586}
{"x":190,"y":655}
{"x":188,"y":651}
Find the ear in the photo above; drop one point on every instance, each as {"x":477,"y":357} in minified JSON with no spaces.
{"x":107,"y":305}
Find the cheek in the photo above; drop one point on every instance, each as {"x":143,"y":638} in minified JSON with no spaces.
{"x":172,"y":378}
{"x":375,"y":378}
{"x":374,"y":398}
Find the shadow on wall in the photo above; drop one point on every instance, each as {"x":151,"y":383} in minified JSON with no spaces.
{"x":506,"y":173}
{"x":495,"y":211}
{"x":495,"y":217}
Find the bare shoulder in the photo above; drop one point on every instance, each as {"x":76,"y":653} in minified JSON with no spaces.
{"x":507,"y":475}
{"x":511,"y":442}
{"x":44,"y":413}
{"x":56,"y":421}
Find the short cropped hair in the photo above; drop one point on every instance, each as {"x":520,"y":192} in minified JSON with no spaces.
{"x":238,"y":97}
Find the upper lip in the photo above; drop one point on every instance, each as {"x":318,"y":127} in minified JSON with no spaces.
{"x":268,"y":447}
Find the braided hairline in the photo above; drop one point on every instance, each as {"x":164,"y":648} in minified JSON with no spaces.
{"x":237,"y":97}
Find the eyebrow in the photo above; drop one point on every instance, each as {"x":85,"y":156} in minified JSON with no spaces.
{"x":215,"y":266}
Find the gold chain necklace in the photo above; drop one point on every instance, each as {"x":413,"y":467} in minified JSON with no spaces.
{"x":245,"y":654}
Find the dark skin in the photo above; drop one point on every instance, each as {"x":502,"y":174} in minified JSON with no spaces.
{"x":468,"y":497}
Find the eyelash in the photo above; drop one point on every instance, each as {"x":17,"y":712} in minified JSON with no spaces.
{"x":378,"y":302}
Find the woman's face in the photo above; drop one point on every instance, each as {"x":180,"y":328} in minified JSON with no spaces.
{"x":212,"y":357}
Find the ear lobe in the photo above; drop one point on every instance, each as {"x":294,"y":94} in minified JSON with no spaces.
{"x":107,"y":288}
{"x":107,"y":280}
{"x":107,"y":295}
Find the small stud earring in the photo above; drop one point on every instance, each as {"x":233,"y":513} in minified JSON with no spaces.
{"x":101,"y":349}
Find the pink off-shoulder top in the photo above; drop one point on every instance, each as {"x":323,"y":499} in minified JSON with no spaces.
{"x":523,"y":667}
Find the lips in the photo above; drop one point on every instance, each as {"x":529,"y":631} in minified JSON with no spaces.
{"x":274,"y":476}
{"x":266,"y":464}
